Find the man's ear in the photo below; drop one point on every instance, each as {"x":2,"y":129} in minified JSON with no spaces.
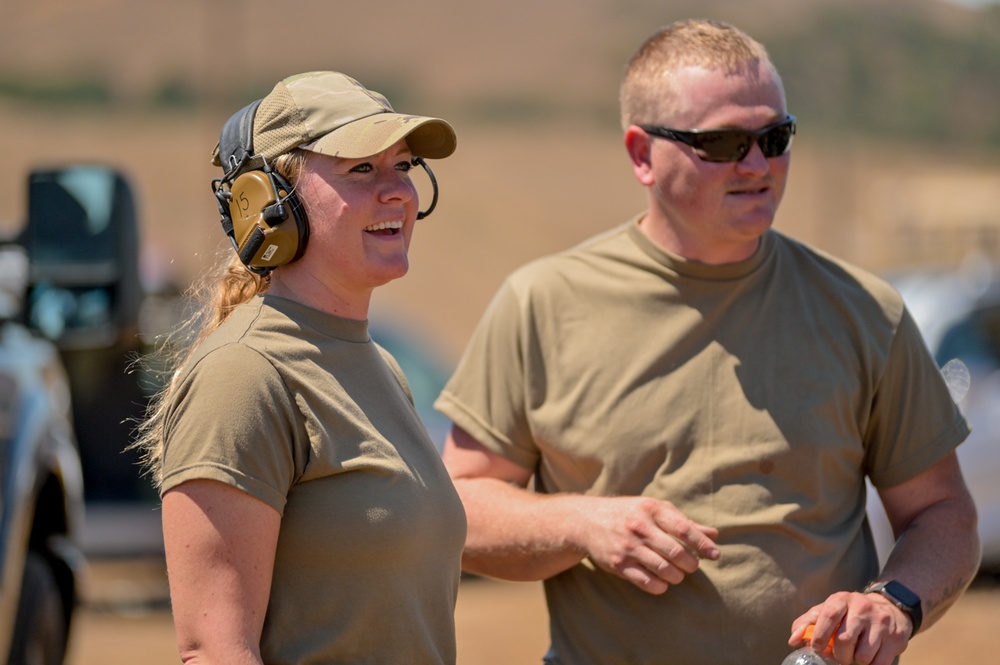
{"x":639,"y":146}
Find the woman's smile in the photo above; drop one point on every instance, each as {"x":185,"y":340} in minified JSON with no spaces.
{"x":384,"y":228}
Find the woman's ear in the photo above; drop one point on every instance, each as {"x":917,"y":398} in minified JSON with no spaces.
{"x":639,"y":146}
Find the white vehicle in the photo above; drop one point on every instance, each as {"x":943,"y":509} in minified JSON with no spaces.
{"x":958,"y":313}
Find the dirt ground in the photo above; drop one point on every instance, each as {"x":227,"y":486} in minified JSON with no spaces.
{"x":498,"y":623}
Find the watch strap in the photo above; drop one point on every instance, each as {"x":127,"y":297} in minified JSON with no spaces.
{"x":900,"y":596}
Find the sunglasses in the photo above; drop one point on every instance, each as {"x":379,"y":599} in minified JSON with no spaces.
{"x":731,"y":145}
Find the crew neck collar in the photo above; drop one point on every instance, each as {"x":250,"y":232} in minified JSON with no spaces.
{"x":350,"y":330}
{"x":696,"y":269}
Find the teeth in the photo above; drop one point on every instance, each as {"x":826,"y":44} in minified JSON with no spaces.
{"x":384,"y":225}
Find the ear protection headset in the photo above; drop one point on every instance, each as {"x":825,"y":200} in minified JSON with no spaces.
{"x":259,"y":210}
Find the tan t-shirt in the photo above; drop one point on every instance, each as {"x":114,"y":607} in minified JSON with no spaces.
{"x":303,"y":411}
{"x":755,"y":396}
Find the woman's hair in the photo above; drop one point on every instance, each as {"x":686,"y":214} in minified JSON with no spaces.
{"x":214,"y":296}
{"x":646,"y":89}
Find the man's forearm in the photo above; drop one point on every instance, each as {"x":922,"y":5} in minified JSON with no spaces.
{"x":515,"y":534}
{"x":937,"y":555}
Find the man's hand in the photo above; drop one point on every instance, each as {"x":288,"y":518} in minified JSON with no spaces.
{"x":646,"y":541}
{"x":867,"y":628}
{"x":516,"y":534}
{"x":936,"y":554}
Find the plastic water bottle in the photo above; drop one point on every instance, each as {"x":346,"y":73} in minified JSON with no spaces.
{"x":807,"y":655}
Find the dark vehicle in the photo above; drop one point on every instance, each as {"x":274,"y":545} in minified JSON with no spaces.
{"x":69,"y":307}
{"x":85,"y":295}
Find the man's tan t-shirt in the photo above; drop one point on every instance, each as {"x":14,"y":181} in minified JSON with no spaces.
{"x":755,"y":396}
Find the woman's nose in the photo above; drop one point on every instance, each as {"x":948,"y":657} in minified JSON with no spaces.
{"x":397,"y":185}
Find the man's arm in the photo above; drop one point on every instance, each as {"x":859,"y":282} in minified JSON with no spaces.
{"x":937,"y":549}
{"x":517,"y":534}
{"x":936,"y":556}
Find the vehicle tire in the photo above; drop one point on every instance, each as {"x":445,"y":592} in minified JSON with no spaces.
{"x":40,"y":632}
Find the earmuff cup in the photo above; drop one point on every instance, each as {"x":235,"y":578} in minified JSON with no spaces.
{"x":269,"y":225}
{"x":259,"y":210}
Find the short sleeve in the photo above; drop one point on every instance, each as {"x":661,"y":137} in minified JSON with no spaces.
{"x":914,"y":420}
{"x":232,"y":419}
{"x":487,"y":394}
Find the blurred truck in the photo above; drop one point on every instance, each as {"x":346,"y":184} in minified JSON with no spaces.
{"x":69,"y":302}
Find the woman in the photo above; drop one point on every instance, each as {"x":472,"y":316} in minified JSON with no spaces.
{"x":307,"y":517}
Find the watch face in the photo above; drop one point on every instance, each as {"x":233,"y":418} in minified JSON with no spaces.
{"x":902,"y":594}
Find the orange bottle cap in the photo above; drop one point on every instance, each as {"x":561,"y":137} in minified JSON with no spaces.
{"x":808,"y":635}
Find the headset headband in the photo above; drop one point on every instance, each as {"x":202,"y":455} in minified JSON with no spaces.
{"x":236,"y":141}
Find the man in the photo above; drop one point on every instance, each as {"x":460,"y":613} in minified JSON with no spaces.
{"x":698,"y":400}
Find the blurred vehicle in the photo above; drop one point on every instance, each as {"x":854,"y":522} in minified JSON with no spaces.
{"x":958,"y":312}
{"x":41,"y":485}
{"x":68,"y":306}
{"x":85,"y":296}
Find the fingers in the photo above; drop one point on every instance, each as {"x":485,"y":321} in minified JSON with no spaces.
{"x":652,"y":544}
{"x":651,"y":570}
{"x":876,"y":631}
{"x":698,"y":540}
{"x":866,"y":629}
{"x":647,"y":581}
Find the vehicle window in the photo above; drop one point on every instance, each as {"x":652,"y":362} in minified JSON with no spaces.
{"x":71,"y":215}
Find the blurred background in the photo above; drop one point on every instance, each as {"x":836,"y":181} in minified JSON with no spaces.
{"x":896,"y":167}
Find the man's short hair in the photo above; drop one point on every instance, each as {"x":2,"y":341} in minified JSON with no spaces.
{"x":693,"y":42}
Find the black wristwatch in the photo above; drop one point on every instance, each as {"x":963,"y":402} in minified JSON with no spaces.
{"x":902,"y":598}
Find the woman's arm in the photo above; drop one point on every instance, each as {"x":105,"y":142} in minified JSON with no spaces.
{"x":220,"y":546}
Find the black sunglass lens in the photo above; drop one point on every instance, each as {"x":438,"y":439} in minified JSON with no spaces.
{"x":775,"y":141}
{"x":723,"y":146}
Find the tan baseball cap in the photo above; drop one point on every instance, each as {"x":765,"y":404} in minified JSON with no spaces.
{"x":333,"y":114}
